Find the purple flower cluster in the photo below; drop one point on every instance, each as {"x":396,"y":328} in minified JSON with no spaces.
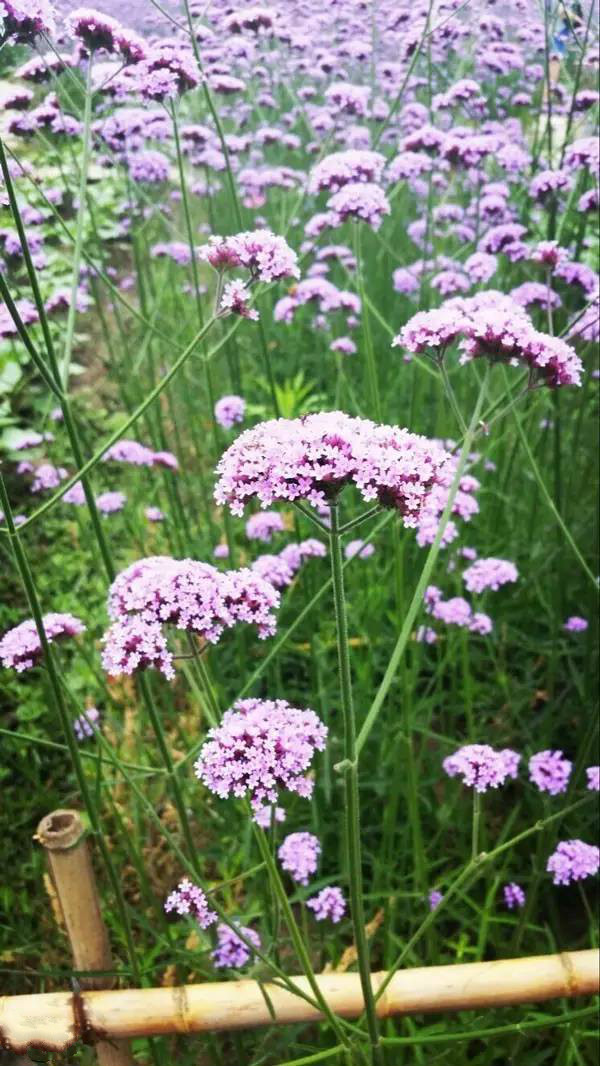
{"x":264,"y":525}
{"x":299,"y":856}
{"x":230,"y":410}
{"x":481,"y":767}
{"x":575,"y":624}
{"x":593,"y":778}
{"x":328,"y":905}
{"x":187,"y":594}
{"x":493,"y":326}
{"x":360,"y":202}
{"x":314,"y":457}
{"x":345,"y":168}
{"x":573,"y":860}
{"x":189,"y":901}
{"x":86,"y":724}
{"x":550,"y":771}
{"x":456,"y":611}
{"x":261,"y":747}
{"x":514,"y":895}
{"x":267,"y":256}
{"x":231,"y":951}
{"x":489,"y":574}
{"x":21,"y":649}
{"x":136,"y":454}
{"x":23,"y":20}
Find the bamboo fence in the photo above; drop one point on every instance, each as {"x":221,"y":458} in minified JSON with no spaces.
{"x":57,"y":1020}
{"x":109,"y":1018}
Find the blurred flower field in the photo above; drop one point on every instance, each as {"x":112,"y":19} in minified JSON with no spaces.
{"x":298,"y":504}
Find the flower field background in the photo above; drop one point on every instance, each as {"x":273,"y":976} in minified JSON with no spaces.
{"x":298,"y":439}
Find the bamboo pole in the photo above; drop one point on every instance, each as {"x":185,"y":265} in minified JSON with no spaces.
{"x":63,"y":837}
{"x":48,"y":1019}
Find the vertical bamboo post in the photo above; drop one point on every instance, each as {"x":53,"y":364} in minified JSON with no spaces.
{"x":63,"y":837}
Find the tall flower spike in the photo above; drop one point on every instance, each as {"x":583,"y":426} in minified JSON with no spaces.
{"x":21,"y":649}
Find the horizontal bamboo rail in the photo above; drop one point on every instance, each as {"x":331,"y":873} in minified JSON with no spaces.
{"x":56,"y":1020}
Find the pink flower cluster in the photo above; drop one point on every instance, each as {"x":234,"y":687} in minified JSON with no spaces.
{"x":573,"y":860}
{"x":21,"y":649}
{"x":264,"y":525}
{"x":456,"y":612}
{"x":260,"y":747}
{"x":481,"y":767}
{"x":299,"y":855}
{"x":359,"y":201}
{"x":329,"y":903}
{"x":229,"y":410}
{"x":489,"y":574}
{"x":86,"y":724}
{"x":187,"y":594}
{"x":281,"y":569}
{"x":496,"y":327}
{"x":465,"y":506}
{"x":231,"y":952}
{"x":344,"y":168}
{"x":550,"y":771}
{"x":268,"y":257}
{"x":136,"y":454}
{"x":188,"y":900}
{"x":314,"y":457}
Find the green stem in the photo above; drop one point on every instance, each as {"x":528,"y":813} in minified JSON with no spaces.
{"x":417,"y":600}
{"x":67,"y":727}
{"x":475,"y":824}
{"x":371,"y":364}
{"x":350,"y":764}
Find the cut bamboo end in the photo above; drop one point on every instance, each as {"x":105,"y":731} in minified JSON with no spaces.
{"x":50,"y":1020}
{"x":63,"y":837}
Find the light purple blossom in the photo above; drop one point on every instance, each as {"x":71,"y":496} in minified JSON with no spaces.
{"x":328,"y":904}
{"x":261,"y":747}
{"x":268,"y":257}
{"x":550,"y":771}
{"x":20,"y":647}
{"x":573,"y":860}
{"x":264,"y":525}
{"x":188,"y":900}
{"x":86,"y":724}
{"x":154,"y":514}
{"x":344,"y":168}
{"x":313,"y":458}
{"x":575,"y":624}
{"x":46,"y":476}
{"x":231,"y":952}
{"x":110,"y":502}
{"x":229,"y":410}
{"x":593,"y":778}
{"x":489,"y":574}
{"x":299,"y":855}
{"x":480,"y":766}
{"x":360,"y":201}
{"x":434,"y":899}
{"x":358,"y":547}
{"x":514,"y":895}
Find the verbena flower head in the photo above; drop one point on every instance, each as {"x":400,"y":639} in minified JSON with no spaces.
{"x":328,"y":905}
{"x":359,"y":201}
{"x":25,"y":19}
{"x":358,"y":547}
{"x":481,"y":767}
{"x":514,"y":895}
{"x":268,"y":257}
{"x":235,"y":300}
{"x":86,"y":724}
{"x":593,"y":778}
{"x":21,"y":649}
{"x":260,"y":748}
{"x":434,"y":899}
{"x":184,"y":593}
{"x":154,"y":514}
{"x":315,"y":456}
{"x":93,"y":29}
{"x":188,"y":900}
{"x":231,"y":952}
{"x":575,"y":624}
{"x":343,"y":168}
{"x":489,"y":574}
{"x":129,"y":451}
{"x":264,"y":525}
{"x":573,"y":860}
{"x":299,"y":856}
{"x":550,"y":771}
{"x":110,"y":502}
{"x":229,"y":410}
